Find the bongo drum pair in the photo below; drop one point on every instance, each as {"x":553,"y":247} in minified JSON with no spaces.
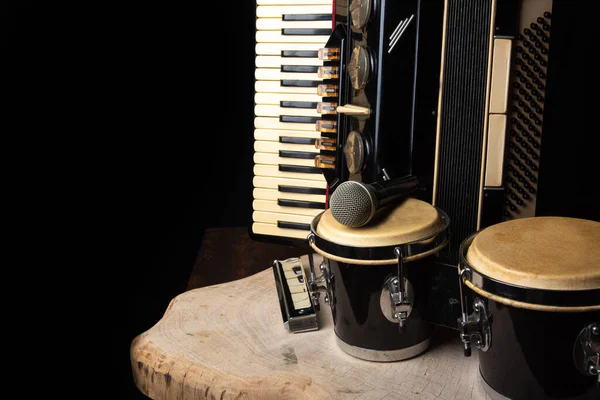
{"x":529,"y":288}
{"x":533,"y":285}
{"x":376,"y":275}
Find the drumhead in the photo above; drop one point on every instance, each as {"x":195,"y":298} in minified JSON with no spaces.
{"x":410,"y":230}
{"x":551,"y":253}
{"x":409,"y":221}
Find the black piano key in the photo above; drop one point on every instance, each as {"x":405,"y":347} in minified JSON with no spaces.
{"x":308,"y":69}
{"x":328,"y":125}
{"x":297,"y":83}
{"x":298,"y":119}
{"x":300,"y":53}
{"x":326,"y":161}
{"x":327,"y":107}
{"x":301,"y":204}
{"x":299,"y":169}
{"x":293,"y":225}
{"x":301,"y":190}
{"x":296,"y":140}
{"x":297,"y":154}
{"x":307,"y":17}
{"x":298,"y":104}
{"x":305,"y":31}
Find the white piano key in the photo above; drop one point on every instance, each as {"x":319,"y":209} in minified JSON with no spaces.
{"x":295,"y":286}
{"x":276,"y":111}
{"x":272,"y":135}
{"x":300,"y":287}
{"x":278,"y":37}
{"x":269,"y":182}
{"x":272,"y":218}
{"x":273,"y":24}
{"x":299,"y":298}
{"x":293,"y":277}
{"x":274,"y":230}
{"x":273,"y":171}
{"x":277,"y":61}
{"x":304,"y":303}
{"x":294,"y":280}
{"x":290,"y":273}
{"x":265,"y":205}
{"x":274,"y":194}
{"x":276,"y":87}
{"x":275,"y":147}
{"x":274,"y":123}
{"x":274,"y":74}
{"x":276,"y":98}
{"x":274,"y":159}
{"x":293,"y":2}
{"x":275,"y":49}
{"x":264,"y":11}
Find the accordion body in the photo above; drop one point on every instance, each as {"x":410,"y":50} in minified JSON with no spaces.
{"x":485,"y":101}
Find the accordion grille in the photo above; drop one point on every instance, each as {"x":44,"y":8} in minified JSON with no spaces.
{"x":461,"y":134}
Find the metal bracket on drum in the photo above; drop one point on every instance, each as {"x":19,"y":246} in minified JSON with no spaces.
{"x":474,"y":328}
{"x":586,"y":351}
{"x":397,"y":295}
{"x":315,"y":283}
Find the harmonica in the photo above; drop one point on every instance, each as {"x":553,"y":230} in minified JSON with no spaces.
{"x":297,"y":310}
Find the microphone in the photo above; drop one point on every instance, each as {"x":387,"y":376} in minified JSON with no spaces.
{"x":354,"y":203}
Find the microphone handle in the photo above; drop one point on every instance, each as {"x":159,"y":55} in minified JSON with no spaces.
{"x":390,"y":190}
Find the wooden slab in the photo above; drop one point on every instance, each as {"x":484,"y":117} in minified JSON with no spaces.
{"x":227,"y":341}
{"x":233,"y":247}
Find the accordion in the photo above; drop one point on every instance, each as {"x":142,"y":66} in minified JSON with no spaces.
{"x":483,"y":100}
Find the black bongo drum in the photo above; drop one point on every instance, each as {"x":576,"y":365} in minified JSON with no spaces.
{"x":534,"y":287}
{"x":375,"y":278}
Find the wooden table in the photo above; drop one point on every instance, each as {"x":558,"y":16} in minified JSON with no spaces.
{"x":227,"y":341}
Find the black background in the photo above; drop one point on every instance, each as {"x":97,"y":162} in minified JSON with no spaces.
{"x":183,"y":113}
{"x":160,"y":104}
{"x":188,"y":101}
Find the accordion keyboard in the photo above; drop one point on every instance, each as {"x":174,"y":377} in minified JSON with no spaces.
{"x":288,"y":190}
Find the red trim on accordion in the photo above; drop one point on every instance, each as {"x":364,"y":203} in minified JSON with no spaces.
{"x":333,"y":15}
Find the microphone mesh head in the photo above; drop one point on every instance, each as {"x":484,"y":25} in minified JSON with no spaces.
{"x":352,"y":204}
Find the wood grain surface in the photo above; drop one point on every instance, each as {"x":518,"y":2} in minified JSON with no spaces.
{"x":227,"y":341}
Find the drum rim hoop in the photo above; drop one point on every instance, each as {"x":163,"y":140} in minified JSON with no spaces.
{"x":378,"y":262}
{"x":530,"y":306}
{"x":508,"y":293}
{"x":409,"y":250}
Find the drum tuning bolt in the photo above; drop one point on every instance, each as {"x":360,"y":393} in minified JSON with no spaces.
{"x":474,"y":328}
{"x":322,"y":283}
{"x":586,"y":351}
{"x":397,"y":296}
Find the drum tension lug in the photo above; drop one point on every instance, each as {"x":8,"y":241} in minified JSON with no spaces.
{"x":475,"y":328}
{"x":400,"y":292}
{"x":315,"y":283}
{"x":586,"y":351}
